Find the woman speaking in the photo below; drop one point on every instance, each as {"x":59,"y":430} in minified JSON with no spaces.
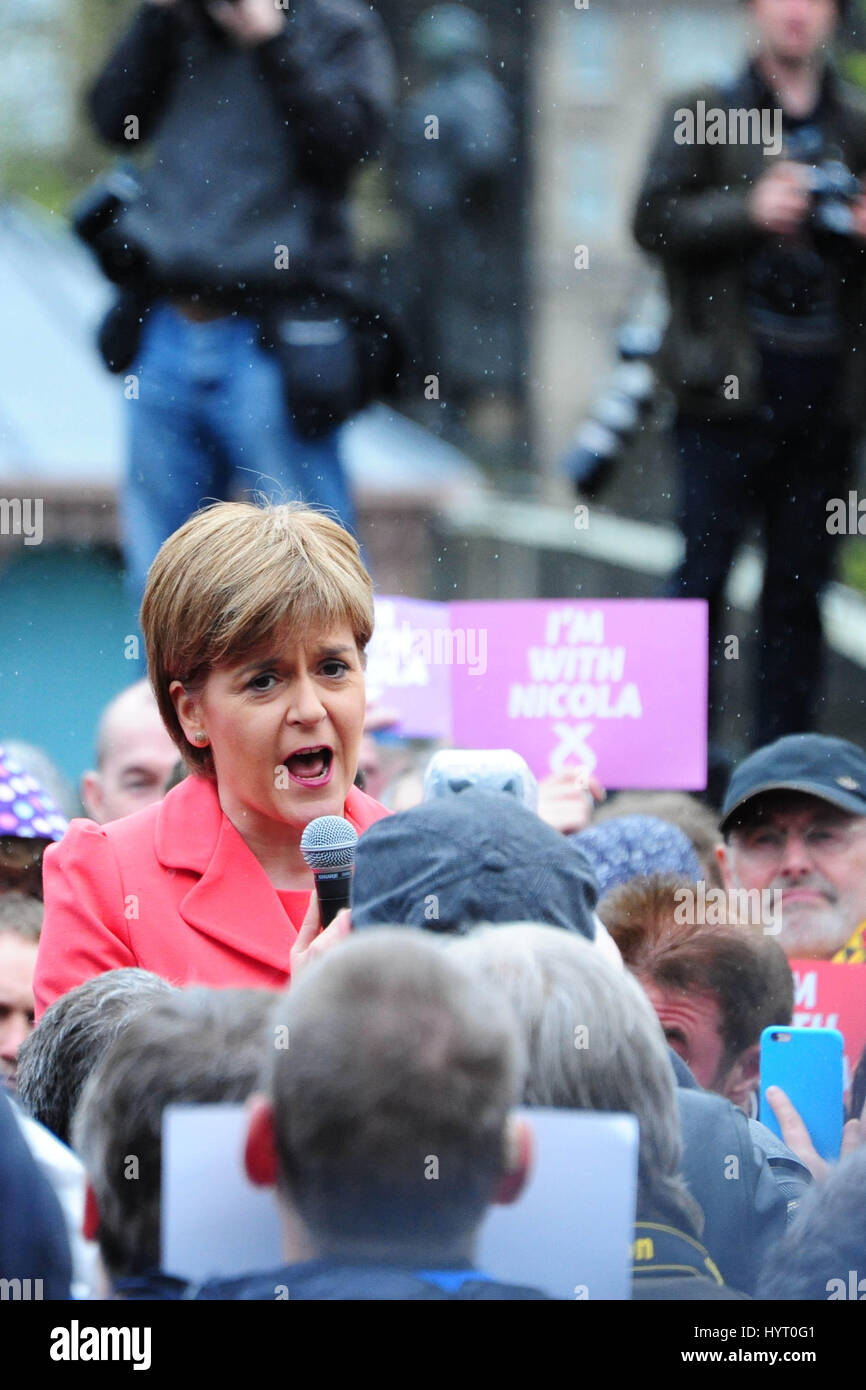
{"x":255,"y":621}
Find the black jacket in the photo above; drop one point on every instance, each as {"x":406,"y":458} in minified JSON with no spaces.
{"x":746,"y":1181}
{"x":251,"y":150}
{"x":669,"y":1264}
{"x":692,"y":213}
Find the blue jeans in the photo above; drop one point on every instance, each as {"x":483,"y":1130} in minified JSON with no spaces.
{"x":210,"y":423}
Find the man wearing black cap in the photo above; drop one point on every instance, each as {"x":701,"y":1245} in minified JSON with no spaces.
{"x":794,"y":820}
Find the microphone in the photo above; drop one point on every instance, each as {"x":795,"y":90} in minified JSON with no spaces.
{"x":328,"y":846}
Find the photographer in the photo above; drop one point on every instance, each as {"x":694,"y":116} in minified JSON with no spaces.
{"x":762,"y":247}
{"x":240,"y":315}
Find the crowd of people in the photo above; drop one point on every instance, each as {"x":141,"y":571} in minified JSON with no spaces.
{"x":177,"y":939}
{"x":504,"y":953}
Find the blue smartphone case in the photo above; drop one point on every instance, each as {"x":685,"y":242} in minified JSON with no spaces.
{"x":807,"y":1064}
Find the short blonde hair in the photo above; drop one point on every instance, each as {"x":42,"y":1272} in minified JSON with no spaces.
{"x":231,"y":578}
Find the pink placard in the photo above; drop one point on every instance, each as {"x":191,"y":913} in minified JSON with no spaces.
{"x":409,"y":662}
{"x":619,"y":685}
{"x":830,"y":994}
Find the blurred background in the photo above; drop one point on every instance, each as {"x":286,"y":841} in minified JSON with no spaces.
{"x":546,"y":397}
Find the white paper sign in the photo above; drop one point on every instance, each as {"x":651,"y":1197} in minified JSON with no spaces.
{"x":215,"y":1223}
{"x":568,"y":1234}
{"x":571,"y":1231}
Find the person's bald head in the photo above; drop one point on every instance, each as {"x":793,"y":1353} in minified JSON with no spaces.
{"x":135,"y":757}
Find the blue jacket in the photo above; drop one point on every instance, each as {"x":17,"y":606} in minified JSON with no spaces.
{"x":327,"y":1280}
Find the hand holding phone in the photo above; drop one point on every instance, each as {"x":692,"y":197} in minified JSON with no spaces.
{"x":805,"y":1065}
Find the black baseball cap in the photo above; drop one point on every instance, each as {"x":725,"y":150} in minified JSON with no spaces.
{"x":831,"y":769}
{"x":480,"y":856}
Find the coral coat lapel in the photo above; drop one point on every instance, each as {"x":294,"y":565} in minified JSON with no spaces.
{"x":233,"y":901}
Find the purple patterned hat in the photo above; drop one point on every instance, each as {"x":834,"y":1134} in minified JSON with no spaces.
{"x":26,"y":811}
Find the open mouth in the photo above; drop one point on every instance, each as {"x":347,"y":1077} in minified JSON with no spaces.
{"x":311,"y":767}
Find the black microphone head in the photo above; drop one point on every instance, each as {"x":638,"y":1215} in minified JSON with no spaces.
{"x":328,"y":842}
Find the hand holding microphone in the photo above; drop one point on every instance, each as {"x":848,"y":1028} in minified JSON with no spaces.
{"x":328,"y":846}
{"x":313,"y":941}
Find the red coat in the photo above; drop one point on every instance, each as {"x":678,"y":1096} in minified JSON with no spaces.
{"x":173,"y":889}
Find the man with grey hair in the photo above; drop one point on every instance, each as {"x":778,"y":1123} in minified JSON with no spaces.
{"x":194,"y":1046}
{"x":794,"y":822}
{"x":403,"y":1068}
{"x":135,"y":757}
{"x":72,"y":1037}
{"x":555,"y":979}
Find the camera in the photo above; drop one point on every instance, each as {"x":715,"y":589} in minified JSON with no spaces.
{"x":791,"y":278}
{"x":95,"y":219}
{"x":834,"y":189}
{"x":453,"y":770}
{"x":832,"y":186}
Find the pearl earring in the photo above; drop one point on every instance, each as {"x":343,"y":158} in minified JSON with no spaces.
{"x":200,"y":736}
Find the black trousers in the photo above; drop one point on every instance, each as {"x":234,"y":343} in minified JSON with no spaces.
{"x":780,"y":467}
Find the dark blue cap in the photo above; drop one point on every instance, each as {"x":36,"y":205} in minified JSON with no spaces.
{"x":480,"y":856}
{"x":831,"y":769}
